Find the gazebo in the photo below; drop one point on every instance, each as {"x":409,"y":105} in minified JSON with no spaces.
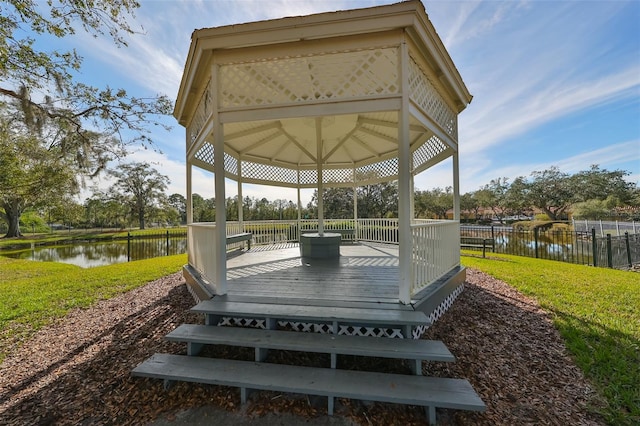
{"x":334,"y":99}
{"x":339,"y":99}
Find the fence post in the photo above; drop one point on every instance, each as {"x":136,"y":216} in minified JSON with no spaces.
{"x":167,"y":242}
{"x":535,"y":240}
{"x":128,"y":246}
{"x":594,"y":246}
{"x":626,"y":241}
{"x":609,"y":254}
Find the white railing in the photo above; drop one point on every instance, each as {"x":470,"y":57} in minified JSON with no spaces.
{"x":435,"y":248}
{"x":378,"y":230}
{"x":434,"y":252}
{"x":202,"y":249}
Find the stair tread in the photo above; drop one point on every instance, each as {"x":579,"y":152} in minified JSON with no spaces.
{"x":311,"y":313}
{"x":372,"y":386}
{"x":433,"y":350}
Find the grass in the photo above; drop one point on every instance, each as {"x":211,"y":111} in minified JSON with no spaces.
{"x":597,"y":312}
{"x":33,"y":294}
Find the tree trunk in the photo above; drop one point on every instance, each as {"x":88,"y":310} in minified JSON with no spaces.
{"x":141,"y":218}
{"x":13,"y":211}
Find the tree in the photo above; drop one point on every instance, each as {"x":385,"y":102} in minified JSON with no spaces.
{"x":42,"y":82}
{"x":203,"y":210}
{"x":516,"y":197}
{"x":59,"y":115}
{"x":434,"y":203}
{"x":599,"y":184}
{"x":594,"y":209}
{"x":337,"y":202}
{"x":551,"y":191}
{"x":179,"y":203}
{"x":141,"y":187}
{"x":469,"y":205}
{"x":33,"y":174}
{"x":493,"y":196}
{"x":378,"y":200}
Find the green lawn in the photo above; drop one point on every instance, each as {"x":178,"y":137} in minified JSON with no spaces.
{"x":597,"y":312}
{"x":33,"y":294}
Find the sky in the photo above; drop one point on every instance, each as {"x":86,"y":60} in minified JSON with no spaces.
{"x":554,"y":83}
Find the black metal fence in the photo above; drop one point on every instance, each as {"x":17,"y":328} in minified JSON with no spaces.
{"x":146,"y":246}
{"x":579,"y":247}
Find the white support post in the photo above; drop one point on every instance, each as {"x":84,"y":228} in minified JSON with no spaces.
{"x":189,"y":205}
{"x":355,"y":206}
{"x":412,"y":199}
{"x":456,"y":187}
{"x":320,"y":180}
{"x":299,"y":202}
{"x":219,"y":176}
{"x":404,"y":190}
{"x":240,"y":209}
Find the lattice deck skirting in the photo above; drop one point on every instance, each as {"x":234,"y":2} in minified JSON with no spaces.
{"x":348,"y":330}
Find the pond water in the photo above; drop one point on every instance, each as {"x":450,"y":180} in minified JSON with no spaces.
{"x":90,"y":254}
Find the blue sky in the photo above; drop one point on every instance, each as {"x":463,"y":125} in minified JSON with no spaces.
{"x":554,"y":83}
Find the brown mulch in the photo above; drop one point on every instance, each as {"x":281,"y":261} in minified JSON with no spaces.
{"x":77,"y":371}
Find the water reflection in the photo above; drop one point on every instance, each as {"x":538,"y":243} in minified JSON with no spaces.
{"x":87,"y":255}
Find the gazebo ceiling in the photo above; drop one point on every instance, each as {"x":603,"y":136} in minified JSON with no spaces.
{"x":347,"y":140}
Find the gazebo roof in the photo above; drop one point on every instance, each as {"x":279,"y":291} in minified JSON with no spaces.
{"x":325,"y":89}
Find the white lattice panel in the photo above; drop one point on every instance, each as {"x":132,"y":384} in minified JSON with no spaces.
{"x":243,"y":322}
{"x":424,"y":94}
{"x":202,"y":113}
{"x":268,"y":173}
{"x":427,"y":151}
{"x":205,"y":153}
{"x":337,"y":175}
{"x":230,"y":164}
{"x":382,"y":169}
{"x":308,"y":177}
{"x":370,"y":331}
{"x":439,"y":311}
{"x":330,"y":76}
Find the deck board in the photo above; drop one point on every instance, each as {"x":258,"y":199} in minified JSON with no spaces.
{"x":364,"y":273}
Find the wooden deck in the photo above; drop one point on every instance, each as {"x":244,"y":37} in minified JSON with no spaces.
{"x":364,"y":276}
{"x":364,"y":273}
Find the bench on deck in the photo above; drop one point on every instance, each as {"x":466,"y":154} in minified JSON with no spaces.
{"x":237,"y":238}
{"x":417,"y":350}
{"x":429,"y":392}
{"x":478,"y":243}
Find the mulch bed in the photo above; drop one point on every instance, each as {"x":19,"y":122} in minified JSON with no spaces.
{"x":77,"y":371}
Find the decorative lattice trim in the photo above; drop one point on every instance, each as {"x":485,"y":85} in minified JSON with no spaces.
{"x":439,"y":311}
{"x":205,"y":153}
{"x":427,"y":151}
{"x":424,"y":93}
{"x":370,"y":331}
{"x":330,"y":76}
{"x":337,"y":175}
{"x":268,"y":173}
{"x":203,"y":111}
{"x":382,"y":169}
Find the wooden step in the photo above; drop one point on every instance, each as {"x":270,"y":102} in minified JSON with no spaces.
{"x":337,"y":315}
{"x":430,"y":392}
{"x":410,"y":349}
